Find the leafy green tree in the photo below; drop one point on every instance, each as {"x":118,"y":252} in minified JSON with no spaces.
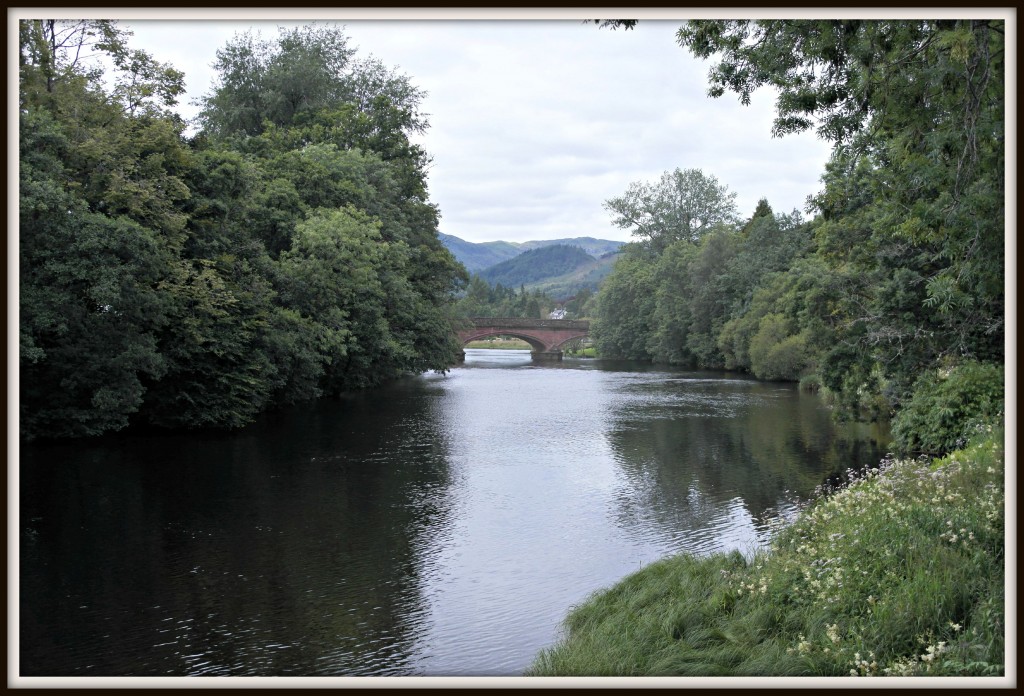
{"x":576,"y":307}
{"x":796,"y":307}
{"x":672,"y":313}
{"x":102,"y":223}
{"x":217,"y":374}
{"x":682,"y":205}
{"x":761,"y":213}
{"x":279,"y":255}
{"x":274,"y":210}
{"x":329,"y":273}
{"x":623,"y":322}
{"x":341,"y":275}
{"x":328,"y":177}
{"x":309,"y":78}
{"x":331,"y":132}
{"x":671,"y":309}
{"x":56,"y":51}
{"x":708,"y":296}
{"x":776,"y":352}
{"x":145,"y":87}
{"x":90,"y":308}
{"x":913,"y":202}
{"x":702,"y":309}
{"x":295,"y":346}
{"x":768,"y":244}
{"x":323,"y":175}
{"x":260,"y":82}
{"x":477,"y":301}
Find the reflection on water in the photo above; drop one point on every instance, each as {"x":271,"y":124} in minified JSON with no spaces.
{"x":441,"y":526}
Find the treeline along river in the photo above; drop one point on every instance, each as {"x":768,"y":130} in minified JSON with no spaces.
{"x":442,"y":525}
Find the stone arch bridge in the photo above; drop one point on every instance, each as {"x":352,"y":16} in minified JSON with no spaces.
{"x":545,"y":336}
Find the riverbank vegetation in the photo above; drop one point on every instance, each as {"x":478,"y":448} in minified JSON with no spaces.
{"x":481,"y":299}
{"x":284,"y":251}
{"x":898,"y":277}
{"x":901,"y":573}
{"x":891,"y":300}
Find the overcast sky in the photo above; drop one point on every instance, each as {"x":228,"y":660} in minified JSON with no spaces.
{"x":534,"y":124}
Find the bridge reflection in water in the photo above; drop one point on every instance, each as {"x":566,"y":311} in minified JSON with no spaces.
{"x":545,"y":336}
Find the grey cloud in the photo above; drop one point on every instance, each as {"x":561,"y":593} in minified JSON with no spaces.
{"x":535,"y":123}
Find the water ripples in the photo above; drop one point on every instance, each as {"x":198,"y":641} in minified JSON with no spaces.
{"x":442,"y":526}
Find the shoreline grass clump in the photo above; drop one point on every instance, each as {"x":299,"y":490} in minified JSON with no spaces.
{"x":901,"y":573}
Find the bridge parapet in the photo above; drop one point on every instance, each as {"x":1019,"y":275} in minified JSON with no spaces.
{"x":521,"y":323}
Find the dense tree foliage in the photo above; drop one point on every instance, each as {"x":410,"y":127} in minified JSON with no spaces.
{"x":481,"y":299}
{"x":286,"y":251}
{"x":902,"y":270}
{"x":624,"y":307}
{"x":913,"y":205}
{"x":675,"y":303}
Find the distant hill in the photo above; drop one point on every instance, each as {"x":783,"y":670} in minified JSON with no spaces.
{"x":536,"y":265}
{"x":479,"y":256}
{"x":586,"y":276}
{"x":594,"y":247}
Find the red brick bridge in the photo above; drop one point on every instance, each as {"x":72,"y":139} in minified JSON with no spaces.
{"x":545,"y":336}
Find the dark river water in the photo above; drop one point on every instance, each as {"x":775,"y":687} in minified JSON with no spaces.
{"x":441,"y":526}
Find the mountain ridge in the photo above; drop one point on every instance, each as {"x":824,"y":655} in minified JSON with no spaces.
{"x":537,"y":265}
{"x":478,"y":256}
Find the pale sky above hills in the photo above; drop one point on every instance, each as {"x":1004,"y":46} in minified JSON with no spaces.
{"x":534,"y":123}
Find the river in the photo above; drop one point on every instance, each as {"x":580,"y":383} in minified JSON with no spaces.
{"x":440,"y":526}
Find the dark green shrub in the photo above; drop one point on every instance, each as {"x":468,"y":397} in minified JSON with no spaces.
{"x":946,"y":406}
{"x":810,"y":383}
{"x":771,"y":330}
{"x":774,"y":353}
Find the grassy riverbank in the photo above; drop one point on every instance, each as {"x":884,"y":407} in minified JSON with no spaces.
{"x":900,"y":573}
{"x":588,"y":352}
{"x":500,"y":344}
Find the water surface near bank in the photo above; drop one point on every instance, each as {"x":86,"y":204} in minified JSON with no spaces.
{"x":442,"y":525}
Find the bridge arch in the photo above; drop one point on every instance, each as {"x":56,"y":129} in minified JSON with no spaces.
{"x":545,"y":336}
{"x":535,"y":344}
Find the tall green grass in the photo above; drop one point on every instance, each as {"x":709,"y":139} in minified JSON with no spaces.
{"x":899,"y":573}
